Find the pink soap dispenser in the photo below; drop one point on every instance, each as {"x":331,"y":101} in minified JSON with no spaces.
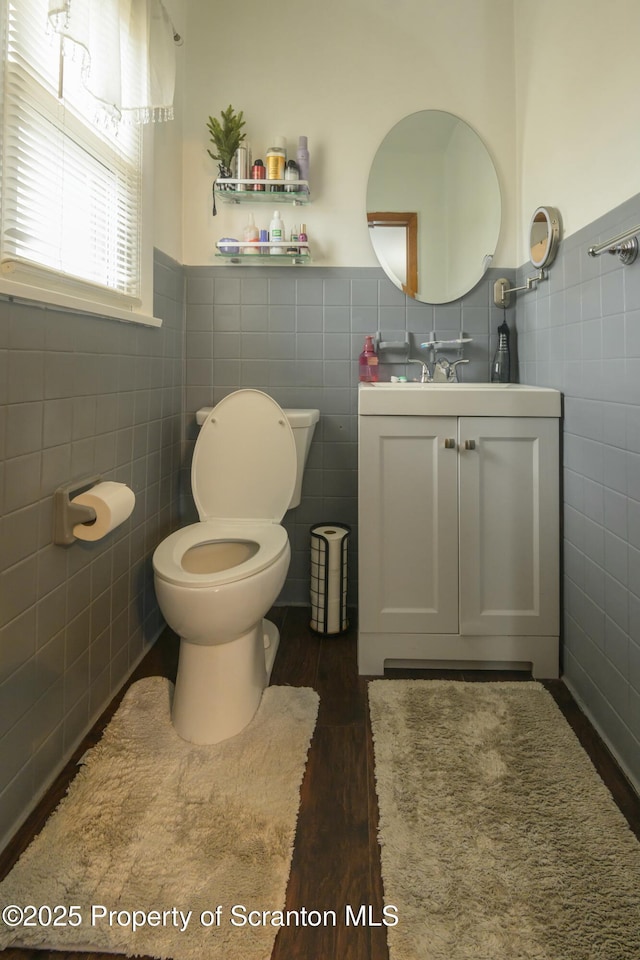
{"x":368,"y":362}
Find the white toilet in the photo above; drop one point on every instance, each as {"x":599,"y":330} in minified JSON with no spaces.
{"x":216,"y":579}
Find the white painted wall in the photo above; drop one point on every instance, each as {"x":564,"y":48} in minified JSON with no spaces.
{"x":577,"y":109}
{"x":167,"y":149}
{"x":343,"y":72}
{"x":549,"y":86}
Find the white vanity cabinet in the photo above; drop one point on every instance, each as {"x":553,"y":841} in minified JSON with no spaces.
{"x":458,"y":541}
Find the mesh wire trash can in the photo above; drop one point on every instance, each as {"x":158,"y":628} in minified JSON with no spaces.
{"x":329,"y":577}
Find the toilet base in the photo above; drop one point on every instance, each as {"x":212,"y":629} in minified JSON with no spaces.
{"x":219,"y":687}
{"x":271,"y":637}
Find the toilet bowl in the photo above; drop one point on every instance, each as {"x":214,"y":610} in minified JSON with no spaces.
{"x":216,"y":579}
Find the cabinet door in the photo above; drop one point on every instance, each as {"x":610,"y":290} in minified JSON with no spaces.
{"x":408,"y":526}
{"x":509,"y":534}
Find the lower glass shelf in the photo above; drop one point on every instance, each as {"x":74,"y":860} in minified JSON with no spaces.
{"x":246,"y":254}
{"x":262,"y":259}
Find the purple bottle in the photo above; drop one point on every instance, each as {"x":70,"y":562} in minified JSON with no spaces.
{"x":303,"y":158}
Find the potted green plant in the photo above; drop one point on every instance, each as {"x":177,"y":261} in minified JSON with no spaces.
{"x":226,"y":137}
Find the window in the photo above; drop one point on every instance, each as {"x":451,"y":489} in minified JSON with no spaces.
{"x":71,"y":185}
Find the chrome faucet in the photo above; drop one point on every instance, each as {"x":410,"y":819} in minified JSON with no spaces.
{"x":446,"y":372}
{"x":426,"y":373}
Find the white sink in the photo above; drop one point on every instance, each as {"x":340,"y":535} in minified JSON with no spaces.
{"x":458,"y":399}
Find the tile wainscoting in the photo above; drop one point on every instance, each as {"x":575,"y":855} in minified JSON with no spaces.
{"x":580,"y":332}
{"x":79,"y":396}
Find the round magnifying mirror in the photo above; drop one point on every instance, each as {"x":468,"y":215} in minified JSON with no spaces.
{"x":544,"y":236}
{"x":433,"y":206}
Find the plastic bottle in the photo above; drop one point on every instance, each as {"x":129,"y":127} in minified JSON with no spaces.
{"x":501,"y":366}
{"x":368,"y":362}
{"x":303,"y":239}
{"x":251,"y":235}
{"x":276,"y":233}
{"x":302,"y":157}
{"x":276,"y":159}
{"x":291,"y":175}
{"x":293,"y":246}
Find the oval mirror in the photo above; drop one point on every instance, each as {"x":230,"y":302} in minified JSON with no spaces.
{"x":433,"y":206}
{"x":544,"y":236}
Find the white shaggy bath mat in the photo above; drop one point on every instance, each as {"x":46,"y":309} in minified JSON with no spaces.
{"x":498,"y":839}
{"x":167,"y":848}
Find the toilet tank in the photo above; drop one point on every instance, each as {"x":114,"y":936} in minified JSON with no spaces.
{"x":303,"y":423}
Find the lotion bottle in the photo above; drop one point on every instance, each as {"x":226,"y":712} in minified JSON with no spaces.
{"x":276,"y":233}
{"x":251,"y":235}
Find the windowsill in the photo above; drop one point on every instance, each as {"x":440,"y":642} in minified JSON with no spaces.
{"x":55,"y":300}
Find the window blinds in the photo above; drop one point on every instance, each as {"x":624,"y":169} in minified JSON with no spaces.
{"x":71,"y":185}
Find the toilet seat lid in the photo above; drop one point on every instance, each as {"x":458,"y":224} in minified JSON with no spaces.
{"x":244,"y":463}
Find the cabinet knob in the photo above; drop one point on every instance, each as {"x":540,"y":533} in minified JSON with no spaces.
{"x":450,"y":443}
{"x":469,"y":444}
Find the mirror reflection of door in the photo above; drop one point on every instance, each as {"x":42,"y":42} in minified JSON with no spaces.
{"x":395,"y":240}
{"x":434,"y":163}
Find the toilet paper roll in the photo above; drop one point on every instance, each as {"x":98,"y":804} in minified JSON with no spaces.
{"x":328,"y":577}
{"x":334,"y":536}
{"x":333,"y":617}
{"x":113,"y":504}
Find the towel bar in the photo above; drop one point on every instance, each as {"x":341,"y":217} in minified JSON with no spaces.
{"x":625,"y":245}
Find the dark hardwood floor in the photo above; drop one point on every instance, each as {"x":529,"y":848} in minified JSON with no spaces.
{"x":336,"y":856}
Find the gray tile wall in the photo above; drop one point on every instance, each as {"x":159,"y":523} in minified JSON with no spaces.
{"x":79,"y":396}
{"x":297,"y":333}
{"x":580,"y":332}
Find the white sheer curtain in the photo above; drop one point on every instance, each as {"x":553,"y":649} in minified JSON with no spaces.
{"x":128,"y":55}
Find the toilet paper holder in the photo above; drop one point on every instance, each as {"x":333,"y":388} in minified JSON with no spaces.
{"x":67,"y":514}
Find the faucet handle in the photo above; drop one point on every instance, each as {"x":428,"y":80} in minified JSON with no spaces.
{"x":453,"y":373}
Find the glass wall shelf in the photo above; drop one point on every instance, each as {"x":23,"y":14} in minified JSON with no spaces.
{"x":249,"y":194}
{"x":247,"y":255}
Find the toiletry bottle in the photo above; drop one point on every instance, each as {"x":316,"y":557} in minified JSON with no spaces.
{"x":293,"y":245}
{"x":292,"y":176}
{"x":264,"y":239}
{"x":501,"y":366}
{"x":276,"y":233}
{"x":251,"y":235}
{"x":258,"y":172}
{"x":276,"y":159}
{"x":302,"y":157}
{"x":368,"y":362}
{"x":302,"y":239}
{"x":242,"y":167}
